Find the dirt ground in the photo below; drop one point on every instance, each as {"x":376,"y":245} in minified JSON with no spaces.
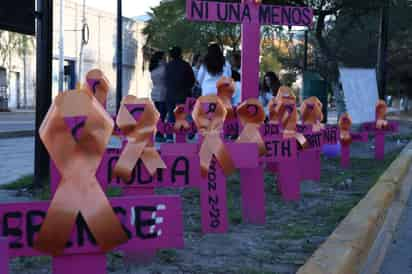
{"x":292,"y":233}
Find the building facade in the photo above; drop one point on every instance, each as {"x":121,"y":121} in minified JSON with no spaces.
{"x":100,"y":52}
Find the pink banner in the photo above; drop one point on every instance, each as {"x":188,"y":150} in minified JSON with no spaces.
{"x":252,"y":13}
{"x":149,"y":221}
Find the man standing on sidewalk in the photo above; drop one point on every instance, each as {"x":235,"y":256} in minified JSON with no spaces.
{"x":179,"y":83}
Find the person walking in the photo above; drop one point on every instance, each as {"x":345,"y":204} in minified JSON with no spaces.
{"x":270,"y":87}
{"x":180,"y":80}
{"x":157,"y":70}
{"x":196,"y":64}
{"x":214,"y":67}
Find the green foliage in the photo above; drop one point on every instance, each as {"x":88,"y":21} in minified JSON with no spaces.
{"x":168,"y":27}
{"x":20,"y":184}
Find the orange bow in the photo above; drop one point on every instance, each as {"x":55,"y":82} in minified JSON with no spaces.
{"x":345,"y":124}
{"x":312,"y":115}
{"x":274,"y":117}
{"x":77,"y":161}
{"x":209,"y":115}
{"x":139,"y":133}
{"x":225,"y":90}
{"x":288,"y":115}
{"x":381,"y":110}
{"x":180,"y":116}
{"x":98,"y":85}
{"x":252,"y":116}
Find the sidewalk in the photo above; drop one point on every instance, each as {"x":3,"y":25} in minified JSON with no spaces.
{"x":17,"y":124}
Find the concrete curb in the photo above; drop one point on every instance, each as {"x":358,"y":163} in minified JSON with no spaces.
{"x":347,"y":249}
{"x":16,"y":134}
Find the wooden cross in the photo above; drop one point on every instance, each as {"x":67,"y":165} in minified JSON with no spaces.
{"x":151,"y":222}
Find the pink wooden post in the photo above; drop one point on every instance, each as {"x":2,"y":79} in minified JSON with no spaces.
{"x":252,"y":187}
{"x":251,"y":15}
{"x":284,"y":154}
{"x":309,"y":158}
{"x":370,"y":128}
{"x":4,"y":256}
{"x":84,"y":263}
{"x":379,"y":145}
{"x":345,"y":156}
{"x":250,"y":54}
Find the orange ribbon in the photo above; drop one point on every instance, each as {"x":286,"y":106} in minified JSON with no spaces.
{"x":181,"y":119}
{"x":345,"y":124}
{"x":381,"y":110}
{"x":288,"y":115}
{"x":139,"y":135}
{"x":225,"y":90}
{"x":77,"y":161}
{"x":209,"y":115}
{"x":98,"y":85}
{"x":252,"y":116}
{"x":312,"y":115}
{"x":274,"y":117}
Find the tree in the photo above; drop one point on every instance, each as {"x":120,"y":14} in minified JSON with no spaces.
{"x":15,"y":45}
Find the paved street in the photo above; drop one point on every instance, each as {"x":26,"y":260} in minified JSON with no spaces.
{"x":398,"y":258}
{"x":16,"y":121}
{"x":16,"y":158}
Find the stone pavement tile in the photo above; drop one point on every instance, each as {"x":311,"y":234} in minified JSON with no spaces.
{"x":16,"y":158}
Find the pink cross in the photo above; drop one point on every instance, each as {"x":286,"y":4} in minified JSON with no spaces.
{"x":252,"y":15}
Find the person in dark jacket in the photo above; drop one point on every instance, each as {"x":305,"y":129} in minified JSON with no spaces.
{"x":180,"y":80}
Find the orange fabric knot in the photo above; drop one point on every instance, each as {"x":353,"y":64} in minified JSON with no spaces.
{"x":312,"y":115}
{"x":252,"y":115}
{"x":225,"y":90}
{"x":98,"y":85}
{"x":345,"y":124}
{"x":77,"y":161}
{"x":274,"y":117}
{"x":209,"y":115}
{"x":381,"y":110}
{"x":181,"y":119}
{"x":137,"y":119}
{"x":288,"y":115}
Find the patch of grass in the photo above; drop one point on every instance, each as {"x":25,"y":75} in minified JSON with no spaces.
{"x":114,"y":192}
{"x":168,"y":255}
{"x":22,"y":183}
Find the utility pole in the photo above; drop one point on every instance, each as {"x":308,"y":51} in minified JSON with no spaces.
{"x":85,"y":40}
{"x":119,"y":56}
{"x":61,"y":46}
{"x":44,"y":41}
{"x":383,"y":48}
{"x":305,"y":56}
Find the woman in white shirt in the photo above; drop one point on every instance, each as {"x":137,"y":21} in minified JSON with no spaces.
{"x":214,"y":67}
{"x":270,"y":87}
{"x":157,"y":70}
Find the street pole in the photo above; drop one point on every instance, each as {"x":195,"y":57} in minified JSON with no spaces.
{"x":305,"y":56}
{"x":119,"y":58}
{"x":382,"y":51}
{"x":44,"y":41}
{"x":83,"y":44}
{"x":61,"y":47}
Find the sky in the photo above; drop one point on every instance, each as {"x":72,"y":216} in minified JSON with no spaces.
{"x":131,"y":8}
